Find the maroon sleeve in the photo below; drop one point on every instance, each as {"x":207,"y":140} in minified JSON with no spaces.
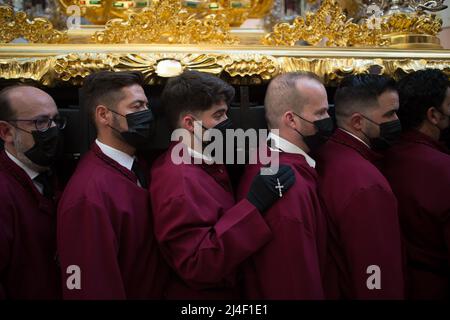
{"x":86,"y":239}
{"x":447,"y":235}
{"x":203,"y":253}
{"x":370,"y":234}
{"x":6,"y":240}
{"x":288,"y":266}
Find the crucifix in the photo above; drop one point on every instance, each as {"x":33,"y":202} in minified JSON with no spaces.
{"x":279,"y":186}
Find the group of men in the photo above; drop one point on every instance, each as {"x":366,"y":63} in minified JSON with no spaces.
{"x":360,"y":211}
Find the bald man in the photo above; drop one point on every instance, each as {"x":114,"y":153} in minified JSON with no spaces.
{"x":365,"y":260}
{"x":290,"y":265}
{"x":29,"y":128}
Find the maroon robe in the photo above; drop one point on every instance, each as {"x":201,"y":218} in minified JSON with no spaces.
{"x":203,"y":233}
{"x":105,"y":228}
{"x":418,"y":170}
{"x":291,"y":264}
{"x":363,"y":221}
{"x":28,"y":266}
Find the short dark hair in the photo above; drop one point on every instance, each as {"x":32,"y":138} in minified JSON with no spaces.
{"x":6,"y":110}
{"x":104,"y":87}
{"x":359,"y":92}
{"x":419,"y":91}
{"x":193,"y":91}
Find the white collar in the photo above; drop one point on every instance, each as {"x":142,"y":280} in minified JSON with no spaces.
{"x":282,"y":144}
{"x":195,"y":154}
{"x":30,"y":172}
{"x":356,"y":137}
{"x":125,"y":160}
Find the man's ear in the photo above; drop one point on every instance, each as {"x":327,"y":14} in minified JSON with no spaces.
{"x":356,"y":121}
{"x":288,"y":119}
{"x":6,"y":132}
{"x":102,"y":115}
{"x":187,"y":122}
{"x":433,"y":115}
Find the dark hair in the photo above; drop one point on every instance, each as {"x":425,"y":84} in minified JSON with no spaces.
{"x":104,"y":87}
{"x":6,"y":110}
{"x":358,"y":92}
{"x":193,"y":91}
{"x":419,"y":91}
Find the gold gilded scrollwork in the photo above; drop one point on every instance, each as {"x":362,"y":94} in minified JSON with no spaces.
{"x":329,"y":26}
{"x":239,"y":68}
{"x":166,"y":22}
{"x":15,"y":25}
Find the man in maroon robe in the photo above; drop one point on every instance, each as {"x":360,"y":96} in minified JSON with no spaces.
{"x":203,"y":233}
{"x":418,"y":169}
{"x":105,"y":237}
{"x":29,"y":127}
{"x":291,"y":265}
{"x":365,"y":246}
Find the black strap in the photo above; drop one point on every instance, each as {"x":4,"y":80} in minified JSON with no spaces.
{"x":45,"y":180}
{"x":140,"y":175}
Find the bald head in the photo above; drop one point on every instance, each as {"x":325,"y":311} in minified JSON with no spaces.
{"x":292,"y":91}
{"x":25,"y":102}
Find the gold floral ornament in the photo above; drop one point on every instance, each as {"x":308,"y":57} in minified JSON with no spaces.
{"x":167,"y":22}
{"x":420,"y":23}
{"x":15,"y":25}
{"x":329,"y":26}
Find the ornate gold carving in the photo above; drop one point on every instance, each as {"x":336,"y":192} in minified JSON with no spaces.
{"x":415,"y":23}
{"x":329,"y":26}
{"x":75,"y":67}
{"x":250,"y":65}
{"x":148,"y":63}
{"x":103,"y":11}
{"x":15,"y":25}
{"x":260,"y":8}
{"x":237,"y":66}
{"x":236,"y":10}
{"x":331,"y":70}
{"x":166,"y":22}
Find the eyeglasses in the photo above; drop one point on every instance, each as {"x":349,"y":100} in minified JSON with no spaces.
{"x":44,"y":123}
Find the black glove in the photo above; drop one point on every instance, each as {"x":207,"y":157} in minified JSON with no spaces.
{"x":264,"y":192}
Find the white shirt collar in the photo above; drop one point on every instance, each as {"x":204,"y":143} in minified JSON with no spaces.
{"x":282,"y":144}
{"x":195,"y":154}
{"x":30,"y":172}
{"x":125,"y":160}
{"x":356,"y":137}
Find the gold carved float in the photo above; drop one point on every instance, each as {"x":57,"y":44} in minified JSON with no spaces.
{"x":165,"y":38}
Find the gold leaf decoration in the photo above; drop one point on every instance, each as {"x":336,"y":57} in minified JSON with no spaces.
{"x":238,"y":67}
{"x":15,"y":25}
{"x":167,"y":22}
{"x":329,"y":26}
{"x":420,"y":23}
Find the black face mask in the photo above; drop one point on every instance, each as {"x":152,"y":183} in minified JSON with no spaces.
{"x":325,"y":128}
{"x":222,"y":127}
{"x":140,"y":128}
{"x":47,"y":146}
{"x":389,"y":134}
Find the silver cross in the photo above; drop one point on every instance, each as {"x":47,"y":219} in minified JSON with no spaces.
{"x":279,"y":186}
